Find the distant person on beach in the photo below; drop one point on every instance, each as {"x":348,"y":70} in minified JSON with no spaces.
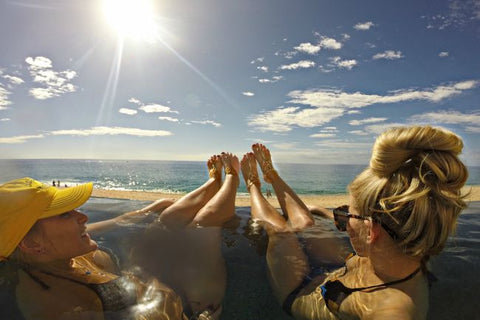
{"x":402,"y":209}
{"x":53,"y":183}
{"x":268,"y":193}
{"x":62,"y":274}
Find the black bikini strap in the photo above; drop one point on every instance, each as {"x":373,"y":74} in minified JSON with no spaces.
{"x":410,"y":276}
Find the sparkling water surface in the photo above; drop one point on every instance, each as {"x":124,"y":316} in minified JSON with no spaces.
{"x":177,"y":176}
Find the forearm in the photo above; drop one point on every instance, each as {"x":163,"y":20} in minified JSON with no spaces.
{"x":320,"y":211}
{"x":129,"y":217}
{"x":287,"y":263}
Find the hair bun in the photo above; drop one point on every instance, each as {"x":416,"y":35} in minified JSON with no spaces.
{"x":397,"y":147}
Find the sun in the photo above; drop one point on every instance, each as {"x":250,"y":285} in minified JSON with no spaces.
{"x":131,"y":18}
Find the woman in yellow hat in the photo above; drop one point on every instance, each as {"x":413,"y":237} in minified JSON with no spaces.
{"x":402,"y":209}
{"x":63,"y":275}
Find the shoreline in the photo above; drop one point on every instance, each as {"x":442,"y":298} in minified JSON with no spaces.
{"x":327,"y":200}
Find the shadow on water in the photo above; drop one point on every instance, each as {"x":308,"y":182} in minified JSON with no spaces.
{"x":248,"y":294}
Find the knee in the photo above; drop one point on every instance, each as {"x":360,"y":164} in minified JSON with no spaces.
{"x":304,"y":223}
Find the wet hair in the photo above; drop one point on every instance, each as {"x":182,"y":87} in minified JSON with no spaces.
{"x":413,"y":187}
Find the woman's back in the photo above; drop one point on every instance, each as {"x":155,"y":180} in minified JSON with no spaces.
{"x":405,"y":300}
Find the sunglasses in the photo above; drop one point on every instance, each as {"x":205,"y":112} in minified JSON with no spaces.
{"x":341,"y":216}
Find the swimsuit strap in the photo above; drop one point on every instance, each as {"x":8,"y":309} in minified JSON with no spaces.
{"x":410,"y":276}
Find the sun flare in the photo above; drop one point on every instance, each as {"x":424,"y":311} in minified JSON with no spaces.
{"x":131,"y":18}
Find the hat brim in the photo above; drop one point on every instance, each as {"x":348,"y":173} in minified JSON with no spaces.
{"x":65,"y":200}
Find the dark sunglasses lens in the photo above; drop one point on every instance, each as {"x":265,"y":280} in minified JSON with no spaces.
{"x":341,"y":219}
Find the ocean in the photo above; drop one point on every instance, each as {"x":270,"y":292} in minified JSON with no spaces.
{"x":177,"y":176}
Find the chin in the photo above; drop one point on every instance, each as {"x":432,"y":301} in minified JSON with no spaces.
{"x":93,"y":245}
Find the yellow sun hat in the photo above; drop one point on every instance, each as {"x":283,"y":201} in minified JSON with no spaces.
{"x":24,"y":201}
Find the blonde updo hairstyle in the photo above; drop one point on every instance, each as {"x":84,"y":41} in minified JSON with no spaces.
{"x":413,"y":187}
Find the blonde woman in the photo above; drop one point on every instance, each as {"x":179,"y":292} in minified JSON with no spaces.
{"x":62,"y":274}
{"x":402,"y":209}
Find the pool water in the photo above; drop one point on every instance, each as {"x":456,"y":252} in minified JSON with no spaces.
{"x":248,"y":294}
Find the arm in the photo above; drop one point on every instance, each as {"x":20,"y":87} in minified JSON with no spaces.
{"x":287,"y":263}
{"x":319,"y":211}
{"x":129,"y":217}
{"x":393,"y":314}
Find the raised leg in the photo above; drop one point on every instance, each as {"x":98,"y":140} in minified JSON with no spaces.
{"x":286,"y":260}
{"x":299,"y":217}
{"x":205,"y":280}
{"x":261,"y":209}
{"x":182,"y":212}
{"x":221,"y":207}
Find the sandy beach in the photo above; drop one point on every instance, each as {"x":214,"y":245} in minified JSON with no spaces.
{"x":328,"y":201}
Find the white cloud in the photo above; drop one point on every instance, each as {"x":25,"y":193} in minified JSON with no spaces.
{"x":389,"y":55}
{"x":326,"y":105}
{"x":128,"y":111}
{"x":13,"y":79}
{"x":19,"y":139}
{"x":330,"y":43}
{"x":4,"y":101}
{"x":168,"y":119}
{"x":376,"y":129}
{"x":322,"y":135}
{"x":327,"y":132}
{"x":460,"y":13}
{"x":365,"y":121}
{"x":303,"y":64}
{"x":273,"y":80}
{"x":283,"y":119}
{"x":113,"y":131}
{"x":358,"y":132}
{"x":340,"y":99}
{"x":345,"y":36}
{"x":443,"y":54}
{"x":472,"y":129}
{"x":260,"y":59}
{"x":55,"y":83}
{"x":263,"y":68}
{"x":248,"y":93}
{"x":39,"y":63}
{"x":5,"y":119}
{"x":135,"y":100}
{"x":448,"y":117}
{"x":347,"y":64}
{"x":154,"y":107}
{"x":210,"y":122}
{"x":307,"y":47}
{"x":363,"y":25}
{"x":290,"y":54}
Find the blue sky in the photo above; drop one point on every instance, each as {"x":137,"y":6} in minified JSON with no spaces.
{"x":315,"y":81}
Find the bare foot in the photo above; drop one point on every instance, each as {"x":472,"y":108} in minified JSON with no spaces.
{"x":230,"y":163}
{"x":214,"y":165}
{"x":262,"y":154}
{"x":249,"y":170}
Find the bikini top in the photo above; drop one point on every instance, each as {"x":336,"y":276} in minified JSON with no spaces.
{"x":334,"y":292}
{"x":117,"y":295}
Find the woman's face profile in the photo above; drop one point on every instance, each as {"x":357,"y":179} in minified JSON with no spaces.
{"x":64,"y":236}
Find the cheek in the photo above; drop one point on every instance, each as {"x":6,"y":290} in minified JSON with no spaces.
{"x":357,"y":234}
